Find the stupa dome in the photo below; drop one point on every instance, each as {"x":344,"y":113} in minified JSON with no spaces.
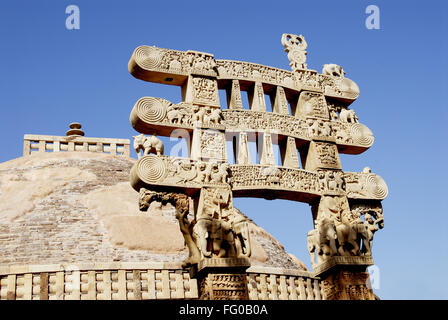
{"x":78,"y":207}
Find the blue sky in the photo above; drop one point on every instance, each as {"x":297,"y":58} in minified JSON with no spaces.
{"x":51,"y":76}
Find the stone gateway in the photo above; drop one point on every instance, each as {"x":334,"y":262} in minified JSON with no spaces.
{"x":84,"y":221}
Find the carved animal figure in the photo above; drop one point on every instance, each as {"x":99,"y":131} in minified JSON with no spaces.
{"x":348,"y":115}
{"x":347,"y":234}
{"x":215,"y":117}
{"x":334,"y":70}
{"x":242,"y":239}
{"x":148,"y":145}
{"x":322,"y":241}
{"x":173,"y":114}
{"x":198,"y":116}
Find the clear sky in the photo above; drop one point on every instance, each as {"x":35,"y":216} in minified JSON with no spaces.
{"x":51,"y":76}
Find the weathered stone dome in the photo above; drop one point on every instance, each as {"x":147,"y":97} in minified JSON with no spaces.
{"x":78,"y":207}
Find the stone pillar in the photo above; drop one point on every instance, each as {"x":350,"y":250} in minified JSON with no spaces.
{"x":256,"y":98}
{"x":280,"y":102}
{"x":234,"y":95}
{"x":345,"y":282}
{"x":222,"y":278}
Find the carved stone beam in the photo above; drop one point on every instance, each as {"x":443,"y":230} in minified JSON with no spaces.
{"x":166,"y":66}
{"x":271,"y":182}
{"x":351,"y":138}
{"x":365,"y":185}
{"x":160,"y":115}
{"x":181,"y":174}
{"x":169,"y":66}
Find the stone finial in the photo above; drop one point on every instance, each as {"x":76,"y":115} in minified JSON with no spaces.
{"x":295,"y":46}
{"x":75,"y":129}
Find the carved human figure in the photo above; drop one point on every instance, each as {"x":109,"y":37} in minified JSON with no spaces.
{"x":372,"y":226}
{"x":219,"y":174}
{"x":348,"y":236}
{"x":148,"y":145}
{"x":175,"y":63}
{"x":213,"y":228}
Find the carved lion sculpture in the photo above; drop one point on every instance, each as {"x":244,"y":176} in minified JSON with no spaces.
{"x":148,"y":145}
{"x":334,"y":70}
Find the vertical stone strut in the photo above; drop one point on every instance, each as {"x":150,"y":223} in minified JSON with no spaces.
{"x":310,"y":117}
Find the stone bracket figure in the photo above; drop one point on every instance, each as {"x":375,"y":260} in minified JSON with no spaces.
{"x":216,"y":231}
{"x":181,"y":203}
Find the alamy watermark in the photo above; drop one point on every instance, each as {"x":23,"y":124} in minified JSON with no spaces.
{"x":73,"y":20}
{"x":373,"y":20}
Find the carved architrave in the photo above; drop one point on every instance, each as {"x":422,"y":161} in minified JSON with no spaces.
{"x":331,"y":182}
{"x":150,"y":114}
{"x":259,"y":178}
{"x":228,"y":69}
{"x":365,"y":186}
{"x":182,"y":173}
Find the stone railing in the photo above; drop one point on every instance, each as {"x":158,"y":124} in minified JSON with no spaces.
{"x":43,"y":143}
{"x":142,"y":281}
{"x":282,"y":284}
{"x":101,"y":281}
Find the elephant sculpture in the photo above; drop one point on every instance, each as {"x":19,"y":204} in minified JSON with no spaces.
{"x":242,"y":239}
{"x":347,"y":234}
{"x":214,"y":238}
{"x":334,"y":70}
{"x":322,"y":241}
{"x":148,"y":145}
{"x":348,"y":115}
